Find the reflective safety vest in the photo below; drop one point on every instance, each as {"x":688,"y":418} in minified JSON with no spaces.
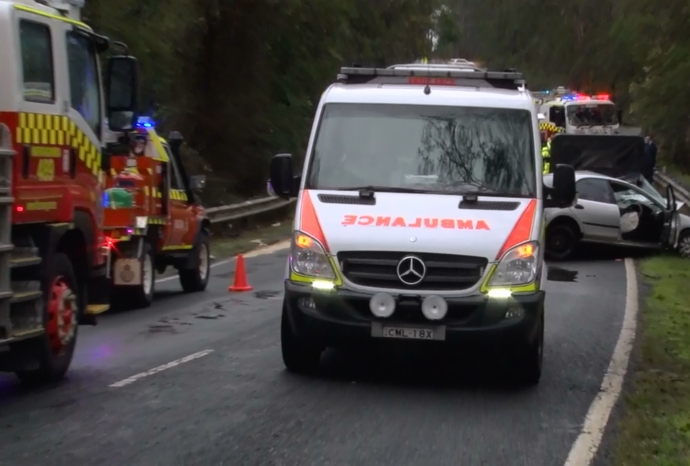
{"x":546,"y":157}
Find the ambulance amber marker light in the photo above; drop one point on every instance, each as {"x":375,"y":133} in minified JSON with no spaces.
{"x":526,"y":251}
{"x":304,"y":241}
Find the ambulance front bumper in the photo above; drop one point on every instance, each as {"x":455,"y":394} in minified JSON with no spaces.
{"x":340,"y":318}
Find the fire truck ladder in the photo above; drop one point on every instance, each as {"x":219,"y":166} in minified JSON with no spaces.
{"x":20,"y":302}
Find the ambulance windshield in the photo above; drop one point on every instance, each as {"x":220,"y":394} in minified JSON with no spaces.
{"x":446,"y":150}
{"x":592,"y":114}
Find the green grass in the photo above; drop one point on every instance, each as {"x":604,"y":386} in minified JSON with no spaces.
{"x":224,"y":247}
{"x":655,"y":428}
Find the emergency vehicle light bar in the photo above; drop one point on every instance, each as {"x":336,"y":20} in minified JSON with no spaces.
{"x":432,"y":76}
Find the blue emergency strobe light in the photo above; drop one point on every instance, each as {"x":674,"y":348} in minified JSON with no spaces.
{"x":145,"y":122}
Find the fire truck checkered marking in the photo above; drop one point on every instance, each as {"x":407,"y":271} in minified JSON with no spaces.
{"x":59,"y":130}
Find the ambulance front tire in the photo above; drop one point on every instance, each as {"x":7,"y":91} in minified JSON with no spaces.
{"x":139,"y":296}
{"x":299,"y":356}
{"x":529,"y":359}
{"x":55,"y":348}
{"x":196,"y":277}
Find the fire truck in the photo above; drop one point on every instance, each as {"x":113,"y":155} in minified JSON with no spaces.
{"x":153,"y":218}
{"x":55,"y":111}
{"x":580,"y":114}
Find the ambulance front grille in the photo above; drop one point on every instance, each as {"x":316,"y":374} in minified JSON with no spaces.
{"x":444,"y":272}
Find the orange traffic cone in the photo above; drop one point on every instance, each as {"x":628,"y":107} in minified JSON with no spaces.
{"x":241,"y":283}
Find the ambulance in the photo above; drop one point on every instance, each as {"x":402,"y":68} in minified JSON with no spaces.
{"x":420,"y":217}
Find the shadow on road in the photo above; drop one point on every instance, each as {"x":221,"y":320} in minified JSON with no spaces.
{"x":417,"y":368}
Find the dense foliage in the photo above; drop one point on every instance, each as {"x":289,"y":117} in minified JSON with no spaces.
{"x":241,"y":78}
{"x":636,"y":50}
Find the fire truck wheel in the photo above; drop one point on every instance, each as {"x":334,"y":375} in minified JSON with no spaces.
{"x":141,"y":296}
{"x":196,"y":279}
{"x":55,"y":348}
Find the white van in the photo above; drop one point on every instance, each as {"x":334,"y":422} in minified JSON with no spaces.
{"x":420,"y":215}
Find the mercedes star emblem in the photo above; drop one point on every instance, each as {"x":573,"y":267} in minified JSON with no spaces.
{"x":413,"y":239}
{"x":411,"y":270}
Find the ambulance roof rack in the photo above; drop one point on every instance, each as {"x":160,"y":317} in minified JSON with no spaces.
{"x":442,"y":75}
{"x":69,"y":8}
{"x":438,"y":66}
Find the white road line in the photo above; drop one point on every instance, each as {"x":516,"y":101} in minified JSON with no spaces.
{"x":587,"y":443}
{"x":256,"y":252}
{"x":162,"y":368}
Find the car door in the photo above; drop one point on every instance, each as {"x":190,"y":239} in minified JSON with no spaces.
{"x":671,"y":219}
{"x":596,"y":210}
{"x":655,"y":221}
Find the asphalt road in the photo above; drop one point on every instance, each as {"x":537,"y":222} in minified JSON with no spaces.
{"x":234,"y":404}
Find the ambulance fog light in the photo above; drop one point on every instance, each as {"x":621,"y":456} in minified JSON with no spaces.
{"x":434,"y":307}
{"x":500,"y":293}
{"x":515,"y":312}
{"x":306,"y":303}
{"x":382,"y":305}
{"x":323,"y":285}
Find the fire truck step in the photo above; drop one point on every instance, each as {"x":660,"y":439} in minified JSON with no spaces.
{"x":19,"y":333}
{"x":94,"y":309}
{"x":24,"y":296}
{"x":26,"y":261}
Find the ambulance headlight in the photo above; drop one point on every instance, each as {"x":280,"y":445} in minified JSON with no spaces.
{"x":519,"y":266}
{"x":309,"y":258}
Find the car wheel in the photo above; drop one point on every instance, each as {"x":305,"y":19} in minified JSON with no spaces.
{"x":684,"y":244}
{"x":299,"y":356}
{"x":530,"y":359}
{"x":561,"y":241}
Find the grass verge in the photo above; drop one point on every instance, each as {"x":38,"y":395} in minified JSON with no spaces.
{"x":655,"y":426}
{"x":223,"y":247}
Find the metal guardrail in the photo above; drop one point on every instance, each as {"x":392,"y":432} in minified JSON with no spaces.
{"x":664,"y":181}
{"x":246,"y":209}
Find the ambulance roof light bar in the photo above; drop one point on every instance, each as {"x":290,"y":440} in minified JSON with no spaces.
{"x":435,"y":76}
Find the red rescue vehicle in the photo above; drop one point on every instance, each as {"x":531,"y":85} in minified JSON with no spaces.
{"x":153,"y":218}
{"x":54,"y":114}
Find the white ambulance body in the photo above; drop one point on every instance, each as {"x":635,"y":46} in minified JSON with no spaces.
{"x":582,"y":114}
{"x":420,"y":215}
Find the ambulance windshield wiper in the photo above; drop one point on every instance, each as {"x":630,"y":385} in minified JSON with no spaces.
{"x":368,"y":191}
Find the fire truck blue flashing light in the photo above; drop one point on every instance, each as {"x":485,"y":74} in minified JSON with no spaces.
{"x":145,"y":122}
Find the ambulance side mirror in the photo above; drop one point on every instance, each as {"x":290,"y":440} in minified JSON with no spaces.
{"x":282,"y":179}
{"x":122,"y":77}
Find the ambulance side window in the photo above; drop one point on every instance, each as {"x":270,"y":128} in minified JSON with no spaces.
{"x":84,"y":83}
{"x":37,"y":62}
{"x":175,"y":178}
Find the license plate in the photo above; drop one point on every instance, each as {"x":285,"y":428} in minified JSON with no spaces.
{"x":408,"y":333}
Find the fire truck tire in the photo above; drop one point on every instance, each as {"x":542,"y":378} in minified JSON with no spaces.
{"x":196,"y":279}
{"x":55,"y":348}
{"x":141,"y":296}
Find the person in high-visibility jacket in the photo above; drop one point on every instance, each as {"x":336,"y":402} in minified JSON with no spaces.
{"x":546,"y":156}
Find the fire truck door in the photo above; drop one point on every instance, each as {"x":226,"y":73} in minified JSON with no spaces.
{"x":180,"y":210}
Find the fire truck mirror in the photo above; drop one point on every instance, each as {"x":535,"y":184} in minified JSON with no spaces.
{"x":123,"y":92}
{"x":197,"y":182}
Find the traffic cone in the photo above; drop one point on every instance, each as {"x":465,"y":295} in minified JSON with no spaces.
{"x":241,"y":283}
